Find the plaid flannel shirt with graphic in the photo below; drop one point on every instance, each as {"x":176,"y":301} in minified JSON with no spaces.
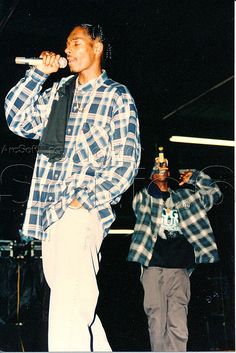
{"x":192,"y":206}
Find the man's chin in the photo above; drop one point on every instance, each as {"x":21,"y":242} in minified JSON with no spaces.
{"x":160,"y":178}
{"x":73,"y":68}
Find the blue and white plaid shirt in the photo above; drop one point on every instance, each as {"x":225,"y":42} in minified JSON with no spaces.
{"x":102,"y":148}
{"x":192,"y":207}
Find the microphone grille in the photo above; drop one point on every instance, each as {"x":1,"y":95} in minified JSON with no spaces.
{"x":62,"y":62}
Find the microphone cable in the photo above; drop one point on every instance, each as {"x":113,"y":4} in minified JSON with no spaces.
{"x":18,"y":292}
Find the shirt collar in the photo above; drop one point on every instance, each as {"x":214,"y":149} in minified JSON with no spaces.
{"x":88,"y":86}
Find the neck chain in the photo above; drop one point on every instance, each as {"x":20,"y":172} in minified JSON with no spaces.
{"x":168,"y":204}
{"x":77,"y":102}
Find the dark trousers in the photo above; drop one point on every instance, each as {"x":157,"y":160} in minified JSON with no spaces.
{"x":166,"y":298}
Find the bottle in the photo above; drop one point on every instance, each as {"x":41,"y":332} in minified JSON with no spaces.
{"x":161,"y":161}
{"x":161,"y":155}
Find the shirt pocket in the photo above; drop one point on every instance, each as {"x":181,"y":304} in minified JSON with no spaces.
{"x":93,"y":147}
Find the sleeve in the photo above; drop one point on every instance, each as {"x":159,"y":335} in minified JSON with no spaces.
{"x":113,"y":180}
{"x":25,"y":108}
{"x":137,"y":202}
{"x":206,"y":188}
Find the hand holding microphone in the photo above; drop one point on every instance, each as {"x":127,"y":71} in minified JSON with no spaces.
{"x":48,"y":62}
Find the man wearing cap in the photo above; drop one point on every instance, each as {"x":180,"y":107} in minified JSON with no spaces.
{"x":172,"y":234}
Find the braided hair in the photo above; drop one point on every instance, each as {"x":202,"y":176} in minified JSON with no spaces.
{"x":96,"y":31}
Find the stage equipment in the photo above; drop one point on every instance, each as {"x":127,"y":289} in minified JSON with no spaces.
{"x":33,"y":249}
{"x":6,"y":248}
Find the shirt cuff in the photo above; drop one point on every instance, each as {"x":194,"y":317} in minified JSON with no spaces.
{"x":37,"y":75}
{"x":194,"y":177}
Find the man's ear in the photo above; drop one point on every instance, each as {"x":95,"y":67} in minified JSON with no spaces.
{"x":98,"y":47}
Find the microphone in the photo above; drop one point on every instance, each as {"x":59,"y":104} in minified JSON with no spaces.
{"x":36,"y":61}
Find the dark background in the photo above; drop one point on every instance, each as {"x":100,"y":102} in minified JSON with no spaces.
{"x":167,"y":53}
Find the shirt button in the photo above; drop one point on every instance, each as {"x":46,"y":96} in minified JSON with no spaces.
{"x":56,"y":176}
{"x":50,"y":198}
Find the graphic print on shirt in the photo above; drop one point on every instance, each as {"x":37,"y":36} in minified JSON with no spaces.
{"x":169,"y":224}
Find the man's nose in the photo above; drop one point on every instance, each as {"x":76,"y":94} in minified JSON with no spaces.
{"x":67,"y":50}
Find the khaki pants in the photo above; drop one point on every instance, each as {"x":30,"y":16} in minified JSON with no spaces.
{"x":166,"y":298}
{"x":70,"y":263}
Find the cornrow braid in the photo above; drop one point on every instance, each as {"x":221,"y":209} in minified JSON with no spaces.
{"x":96,"y":31}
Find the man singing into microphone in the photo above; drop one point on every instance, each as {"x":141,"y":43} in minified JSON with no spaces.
{"x":88,"y":155}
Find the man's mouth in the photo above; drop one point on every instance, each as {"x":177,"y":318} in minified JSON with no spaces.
{"x":71,"y":60}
